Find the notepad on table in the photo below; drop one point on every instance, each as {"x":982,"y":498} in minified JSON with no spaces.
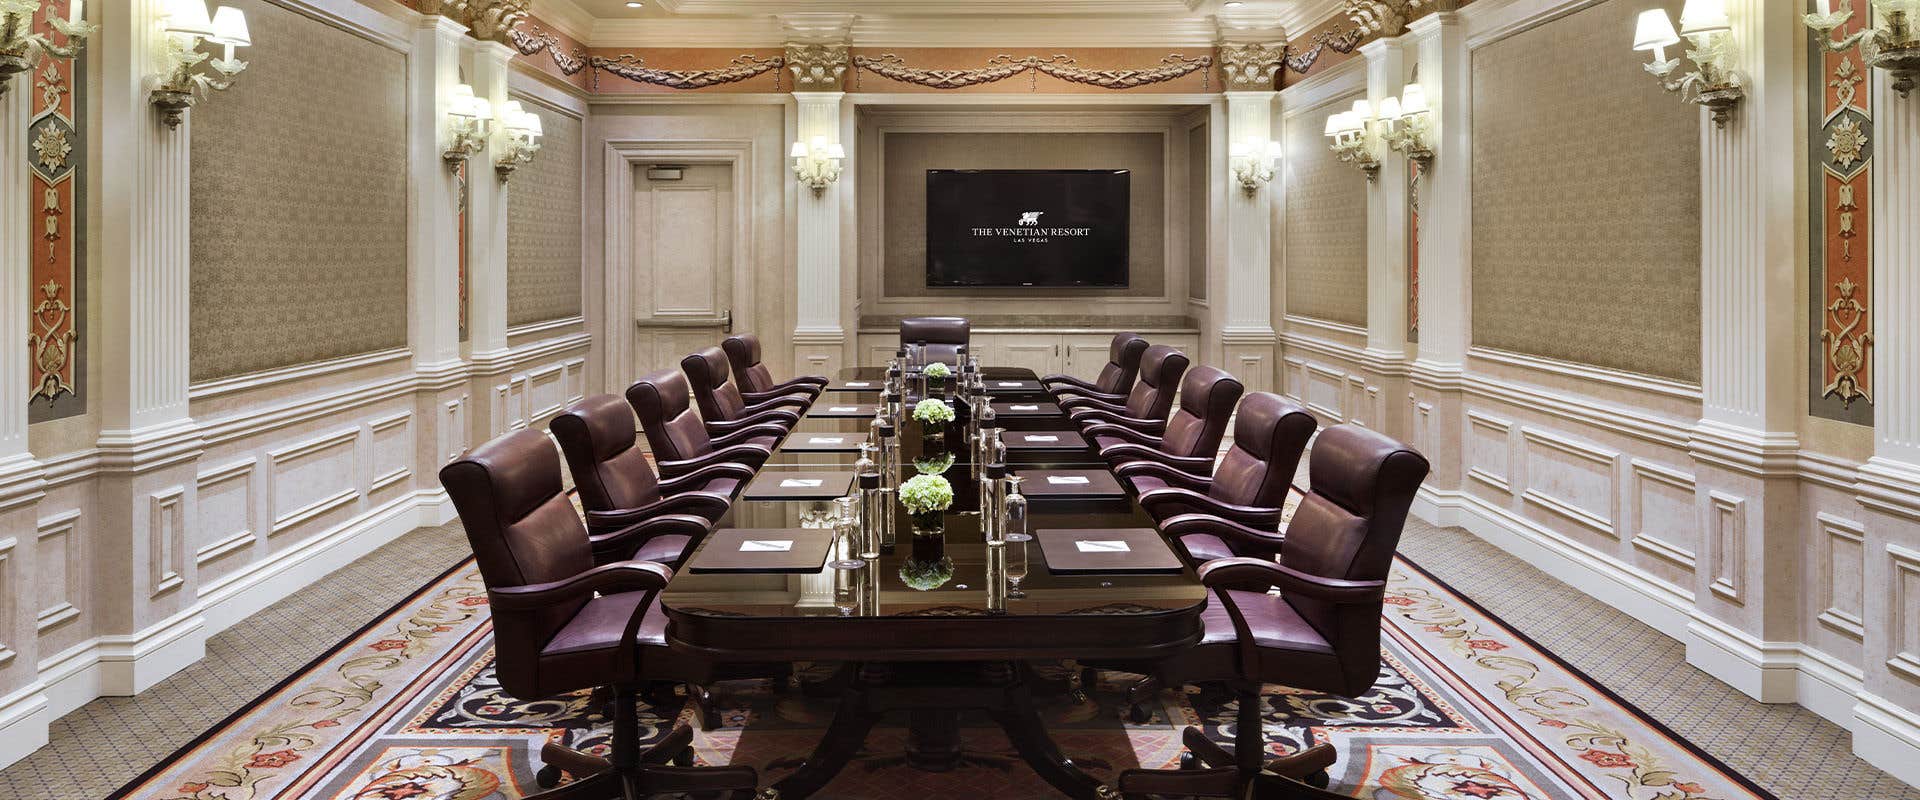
{"x":1068,"y":480}
{"x":1041,"y":438}
{"x":1099,"y":546}
{"x":1096,"y":551}
{"x":766,"y":545}
{"x":1018,"y":407}
{"x":801,"y":483}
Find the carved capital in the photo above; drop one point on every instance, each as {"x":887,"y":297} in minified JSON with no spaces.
{"x":1388,"y":18}
{"x":493,"y":20}
{"x":817,"y":67}
{"x":1251,"y":66}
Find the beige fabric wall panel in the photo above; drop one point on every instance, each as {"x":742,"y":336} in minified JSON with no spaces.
{"x":1326,"y":224}
{"x":1586,"y":201}
{"x":543,"y":226}
{"x":1198,"y":182}
{"x":299,"y":202}
{"x":904,"y":211}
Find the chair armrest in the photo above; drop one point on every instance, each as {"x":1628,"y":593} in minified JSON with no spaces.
{"x":1253,"y":516}
{"x":1130,"y":435}
{"x":1068,"y":382}
{"x":1198,"y":465}
{"x":1255,"y":574}
{"x":705,"y":505}
{"x":620,"y":576}
{"x":1083,"y":401}
{"x":1240,"y":538}
{"x":692,"y":481}
{"x":626,"y":540}
{"x":1085,"y":417}
{"x":752,"y":455}
{"x":804,"y":391}
{"x":789,"y":400}
{"x":1117,"y":399}
{"x":744,"y":435}
{"x":1173,"y":477}
{"x":772,"y":416}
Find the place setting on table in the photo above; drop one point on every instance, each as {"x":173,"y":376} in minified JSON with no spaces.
{"x":937,"y":575}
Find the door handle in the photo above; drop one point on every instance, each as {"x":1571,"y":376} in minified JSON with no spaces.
{"x":726,"y":323}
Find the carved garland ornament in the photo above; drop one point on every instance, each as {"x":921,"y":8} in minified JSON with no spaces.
{"x":1343,"y":42}
{"x":532,"y":43}
{"x":632,"y":68}
{"x":1064,"y":67}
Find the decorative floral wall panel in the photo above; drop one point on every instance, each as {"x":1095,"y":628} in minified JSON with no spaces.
{"x":1326,"y":224}
{"x":543,"y":225}
{"x":1586,"y":201}
{"x":1840,"y":269}
{"x":56,"y":161}
{"x":299,"y":194}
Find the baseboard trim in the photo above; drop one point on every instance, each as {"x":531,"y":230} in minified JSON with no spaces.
{"x":125,"y":665}
{"x":1765,"y":671}
{"x":1887,"y":736}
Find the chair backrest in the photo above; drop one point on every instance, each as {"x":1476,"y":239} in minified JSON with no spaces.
{"x":1123,"y":363}
{"x":943,"y":336}
{"x":1207,"y":397}
{"x":1347,"y":527}
{"x":524,"y":531}
{"x":1269,"y":435}
{"x":610,"y":472}
{"x":1160,"y":370}
{"x":743,"y":353}
{"x":662,"y":401}
{"x":711,"y":382}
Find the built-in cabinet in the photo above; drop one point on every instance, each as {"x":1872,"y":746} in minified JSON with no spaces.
{"x":1079,"y":352}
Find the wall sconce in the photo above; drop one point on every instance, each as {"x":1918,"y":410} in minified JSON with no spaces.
{"x":1352,"y":135}
{"x":523,"y":138}
{"x":20,"y":47}
{"x":1253,"y":163}
{"x":184,"y":25}
{"x":817,"y":163}
{"x":1706,"y":26}
{"x":1407,"y":124}
{"x":469,"y":123}
{"x":1893,"y":45}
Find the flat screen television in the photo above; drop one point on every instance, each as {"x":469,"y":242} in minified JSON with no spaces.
{"x":1027,"y":227}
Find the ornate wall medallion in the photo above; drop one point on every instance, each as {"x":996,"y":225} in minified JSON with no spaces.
{"x":817,"y":67}
{"x":633,"y":68}
{"x":1252,"y":66}
{"x":1062,"y":66}
{"x":1840,"y":146}
{"x":540,"y":40}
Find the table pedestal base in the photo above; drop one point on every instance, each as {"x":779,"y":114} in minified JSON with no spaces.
{"x":934,"y":695}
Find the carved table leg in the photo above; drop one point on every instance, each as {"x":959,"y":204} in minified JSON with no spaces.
{"x":933,"y":739}
{"x":1020,"y":718}
{"x":841,"y":742}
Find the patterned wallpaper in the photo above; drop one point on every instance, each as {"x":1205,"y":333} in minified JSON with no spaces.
{"x":299,"y":202}
{"x":1570,"y":142}
{"x":1326,"y":224}
{"x":543,"y":225}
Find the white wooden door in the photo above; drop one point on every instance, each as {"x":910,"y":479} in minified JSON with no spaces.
{"x":1038,"y":352}
{"x":685,"y":247}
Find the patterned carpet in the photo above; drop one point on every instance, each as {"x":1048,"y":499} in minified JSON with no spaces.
{"x":1465,"y":709}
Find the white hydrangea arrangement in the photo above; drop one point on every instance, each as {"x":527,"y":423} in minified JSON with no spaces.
{"x":938,"y":370}
{"x":932,"y":411}
{"x":923,"y":494}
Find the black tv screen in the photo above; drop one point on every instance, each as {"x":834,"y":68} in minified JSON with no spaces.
{"x":1021,"y":227}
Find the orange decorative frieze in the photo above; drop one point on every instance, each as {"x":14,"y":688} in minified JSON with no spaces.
{"x":999,"y":71}
{"x":669,"y":69}
{"x":1840,"y":154}
{"x":55,"y":156}
{"x":551,"y":52}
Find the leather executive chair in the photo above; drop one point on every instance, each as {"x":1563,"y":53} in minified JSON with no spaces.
{"x":562,"y":624}
{"x":1147,"y":403}
{"x":1320,"y":633}
{"x":680,"y":441}
{"x":1114,"y":380}
{"x":1236,"y":511}
{"x":724,"y":408}
{"x":755,"y":381}
{"x":945,"y":337}
{"x":618,"y":487}
{"x":1192,"y":436}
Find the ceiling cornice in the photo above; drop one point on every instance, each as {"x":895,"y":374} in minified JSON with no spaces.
{"x":1300,"y":18}
{"x":566,"y":17}
{"x":993,"y":8}
{"x":916,"y":31}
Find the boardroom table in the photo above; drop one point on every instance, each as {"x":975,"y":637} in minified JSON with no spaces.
{"x":968,"y":643}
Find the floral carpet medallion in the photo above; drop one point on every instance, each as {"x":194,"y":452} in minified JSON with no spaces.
{"x":1465,"y":709}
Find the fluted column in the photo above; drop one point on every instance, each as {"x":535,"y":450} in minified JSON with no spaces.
{"x":1744,"y":445}
{"x":821,"y":278}
{"x":1245,"y":318}
{"x":487,"y":198}
{"x":1445,"y":201}
{"x":444,"y":401}
{"x":1386,"y":215}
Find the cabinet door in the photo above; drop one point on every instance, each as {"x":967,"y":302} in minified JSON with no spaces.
{"x":1038,"y":352}
{"x":1086,"y":353}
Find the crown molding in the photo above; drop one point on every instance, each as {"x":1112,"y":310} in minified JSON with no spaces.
{"x":988,"y":8}
{"x":1303,"y":17}
{"x":566,"y":17}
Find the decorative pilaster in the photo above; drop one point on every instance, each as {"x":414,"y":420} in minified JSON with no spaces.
{"x":1744,"y":447}
{"x":487,"y":198}
{"x":822,"y":276}
{"x":21,"y":485}
{"x":1387,"y":200}
{"x":1443,"y":195}
{"x":1245,"y":318}
{"x":434,"y":302}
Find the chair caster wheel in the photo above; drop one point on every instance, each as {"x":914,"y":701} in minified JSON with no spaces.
{"x":1318,"y":780}
{"x":1139,"y":714}
{"x":548,"y":777}
{"x":1188,"y":763}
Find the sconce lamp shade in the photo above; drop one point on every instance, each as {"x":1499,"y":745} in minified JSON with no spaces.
{"x":836,"y":151}
{"x":230,"y":27}
{"x":460,"y":100}
{"x":1362,"y":111}
{"x":188,"y":17}
{"x":799,"y":150}
{"x":1390,"y":108}
{"x":530,"y":122}
{"x":1333,"y":125}
{"x":1704,"y":16}
{"x":1654,"y":30}
{"x":513,"y":117}
{"x":1413,"y":100}
{"x":480,"y":108}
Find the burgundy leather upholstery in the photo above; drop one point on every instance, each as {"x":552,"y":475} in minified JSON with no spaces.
{"x":943,"y":336}
{"x":1115,"y":379}
{"x":615,"y":481}
{"x":752,"y":376}
{"x":1248,"y":488}
{"x":1192,"y":436}
{"x":710,"y":379}
{"x":679,"y":439}
{"x":1147,"y":403}
{"x":558,"y":619}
